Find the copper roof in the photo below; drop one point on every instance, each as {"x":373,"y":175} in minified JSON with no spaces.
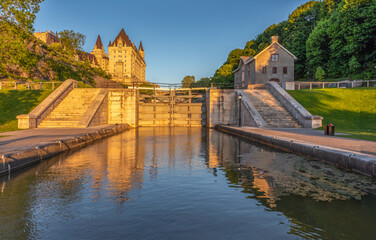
{"x":99,"y":44}
{"x":244,"y":58}
{"x":123,"y":38}
{"x":141,"y":48}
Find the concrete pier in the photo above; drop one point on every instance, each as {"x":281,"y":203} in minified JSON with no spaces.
{"x":23,"y":148}
{"x":356,"y":155}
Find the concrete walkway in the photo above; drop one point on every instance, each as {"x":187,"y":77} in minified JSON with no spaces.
{"x":316,"y":137}
{"x":18,"y":141}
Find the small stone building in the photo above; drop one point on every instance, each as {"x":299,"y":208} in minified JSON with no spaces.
{"x":274,"y":63}
{"x":48,"y":37}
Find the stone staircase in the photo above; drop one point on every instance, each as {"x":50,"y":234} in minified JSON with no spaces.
{"x":71,"y":110}
{"x":270,"y":109}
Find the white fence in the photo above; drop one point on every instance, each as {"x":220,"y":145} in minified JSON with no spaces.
{"x":341,"y":84}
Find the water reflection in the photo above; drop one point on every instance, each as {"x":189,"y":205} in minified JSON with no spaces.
{"x":185,"y":183}
{"x":276,"y":173}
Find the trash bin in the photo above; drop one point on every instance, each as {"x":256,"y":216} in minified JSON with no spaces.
{"x":329,"y":130}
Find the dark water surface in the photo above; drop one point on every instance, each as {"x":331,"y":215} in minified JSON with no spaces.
{"x":185,"y":183}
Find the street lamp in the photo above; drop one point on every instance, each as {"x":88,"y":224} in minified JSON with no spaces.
{"x":240,"y":110}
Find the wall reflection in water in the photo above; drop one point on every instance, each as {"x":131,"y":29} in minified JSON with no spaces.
{"x":190,"y":176}
{"x":275,"y":173}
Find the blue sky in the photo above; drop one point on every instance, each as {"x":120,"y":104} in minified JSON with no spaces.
{"x":180,"y":37}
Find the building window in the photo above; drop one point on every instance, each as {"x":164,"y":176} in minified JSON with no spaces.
{"x":284,"y":70}
{"x":274,"y":70}
{"x":264,"y":70}
{"x":119,"y":56}
{"x":275,"y":58}
{"x":119,"y":51}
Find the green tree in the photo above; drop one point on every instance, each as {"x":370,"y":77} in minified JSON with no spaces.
{"x":188,"y":81}
{"x":203,"y":82}
{"x":320,"y":74}
{"x":354,"y":65}
{"x":20,"y":12}
{"x":72,"y":40}
{"x":318,"y":48}
{"x":299,"y":26}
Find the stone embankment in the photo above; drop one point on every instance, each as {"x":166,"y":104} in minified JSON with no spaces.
{"x":360,"y":157}
{"x":22,"y":154}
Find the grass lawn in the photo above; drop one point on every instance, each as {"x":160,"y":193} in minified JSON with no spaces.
{"x":352,"y":111}
{"x":16,"y":102}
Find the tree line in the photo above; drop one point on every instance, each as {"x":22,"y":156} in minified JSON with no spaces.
{"x":331,"y":38}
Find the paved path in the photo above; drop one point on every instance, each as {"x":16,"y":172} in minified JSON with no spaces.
{"x":25,"y":139}
{"x":317,"y":137}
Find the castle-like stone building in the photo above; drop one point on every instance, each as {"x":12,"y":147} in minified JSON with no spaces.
{"x":274,"y":63}
{"x":124,"y":61}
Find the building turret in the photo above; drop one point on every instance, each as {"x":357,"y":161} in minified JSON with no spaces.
{"x":141,"y":50}
{"x":100,"y":55}
{"x":98,"y":44}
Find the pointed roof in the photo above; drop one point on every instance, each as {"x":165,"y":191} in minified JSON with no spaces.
{"x":141,"y":48}
{"x":123,"y":38}
{"x":244,"y":58}
{"x":99,"y":44}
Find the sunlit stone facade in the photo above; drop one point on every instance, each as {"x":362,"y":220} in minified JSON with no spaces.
{"x":126,"y":62}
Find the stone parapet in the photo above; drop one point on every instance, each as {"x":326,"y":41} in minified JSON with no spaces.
{"x":251,"y":111}
{"x":97,"y":114}
{"x":36,"y":116}
{"x":305,"y":118}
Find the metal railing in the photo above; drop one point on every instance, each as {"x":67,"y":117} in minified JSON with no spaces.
{"x":29,"y":85}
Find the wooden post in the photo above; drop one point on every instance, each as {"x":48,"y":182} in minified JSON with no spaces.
{"x":323,"y":85}
{"x":28,"y":86}
{"x":15,"y":86}
{"x":212,"y":85}
{"x":53,"y":86}
{"x":310,"y":86}
{"x":298,"y":86}
{"x":367,"y":84}
{"x":1,"y":85}
{"x":337,"y":84}
{"x":352,"y":84}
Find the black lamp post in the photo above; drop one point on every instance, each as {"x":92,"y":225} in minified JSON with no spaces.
{"x":240,"y":110}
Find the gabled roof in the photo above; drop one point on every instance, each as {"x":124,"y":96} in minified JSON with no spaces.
{"x":123,"y":38}
{"x":141,"y":48}
{"x":243,"y":59}
{"x":249,"y":60}
{"x":99,"y":44}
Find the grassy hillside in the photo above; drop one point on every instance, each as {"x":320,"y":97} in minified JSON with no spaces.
{"x":352,"y":111}
{"x":16,"y":102}
{"x":24,"y":57}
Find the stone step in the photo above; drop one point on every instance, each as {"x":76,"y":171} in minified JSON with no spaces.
{"x":71,"y":110}
{"x":273,"y":113}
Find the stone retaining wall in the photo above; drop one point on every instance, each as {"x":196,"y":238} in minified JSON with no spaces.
{"x":355,"y":161}
{"x":12,"y":162}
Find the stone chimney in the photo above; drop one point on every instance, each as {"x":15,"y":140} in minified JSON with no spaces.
{"x":274,"y":39}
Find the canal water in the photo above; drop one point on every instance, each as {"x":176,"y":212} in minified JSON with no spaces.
{"x":185,"y":183}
